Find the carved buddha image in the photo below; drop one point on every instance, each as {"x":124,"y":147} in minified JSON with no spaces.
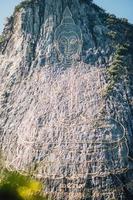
{"x":68,"y":39}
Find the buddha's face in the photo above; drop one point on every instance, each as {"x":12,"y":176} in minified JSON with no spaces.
{"x":68,"y":44}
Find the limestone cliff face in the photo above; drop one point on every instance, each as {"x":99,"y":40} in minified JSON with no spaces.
{"x":66,"y":98}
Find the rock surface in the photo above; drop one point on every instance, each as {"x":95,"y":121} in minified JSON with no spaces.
{"x":67,"y":113}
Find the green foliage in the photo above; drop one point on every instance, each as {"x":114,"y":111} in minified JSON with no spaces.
{"x":123,"y":50}
{"x":1,"y":39}
{"x":112,"y":34}
{"x":15,"y":186}
{"x":23,"y":4}
{"x":124,"y":20}
{"x":118,"y":68}
{"x":111,"y":19}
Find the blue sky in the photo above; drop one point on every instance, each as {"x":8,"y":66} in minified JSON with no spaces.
{"x":121,"y":8}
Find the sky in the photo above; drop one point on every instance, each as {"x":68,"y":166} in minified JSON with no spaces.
{"x":121,"y":8}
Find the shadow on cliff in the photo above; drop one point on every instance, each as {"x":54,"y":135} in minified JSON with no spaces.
{"x":6,"y":193}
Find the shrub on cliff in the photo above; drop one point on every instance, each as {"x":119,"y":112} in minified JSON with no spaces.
{"x":23,"y":4}
{"x":15,"y":186}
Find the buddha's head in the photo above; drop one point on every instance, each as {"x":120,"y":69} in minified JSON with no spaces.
{"x":68,"y":37}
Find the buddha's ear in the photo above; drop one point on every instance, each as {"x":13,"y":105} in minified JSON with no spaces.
{"x":55,"y":46}
{"x":79,"y":52}
{"x":77,"y":57}
{"x":59,"y":56}
{"x":80,"y":47}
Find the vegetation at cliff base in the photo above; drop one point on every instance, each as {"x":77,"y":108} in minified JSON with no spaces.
{"x":15,"y":186}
